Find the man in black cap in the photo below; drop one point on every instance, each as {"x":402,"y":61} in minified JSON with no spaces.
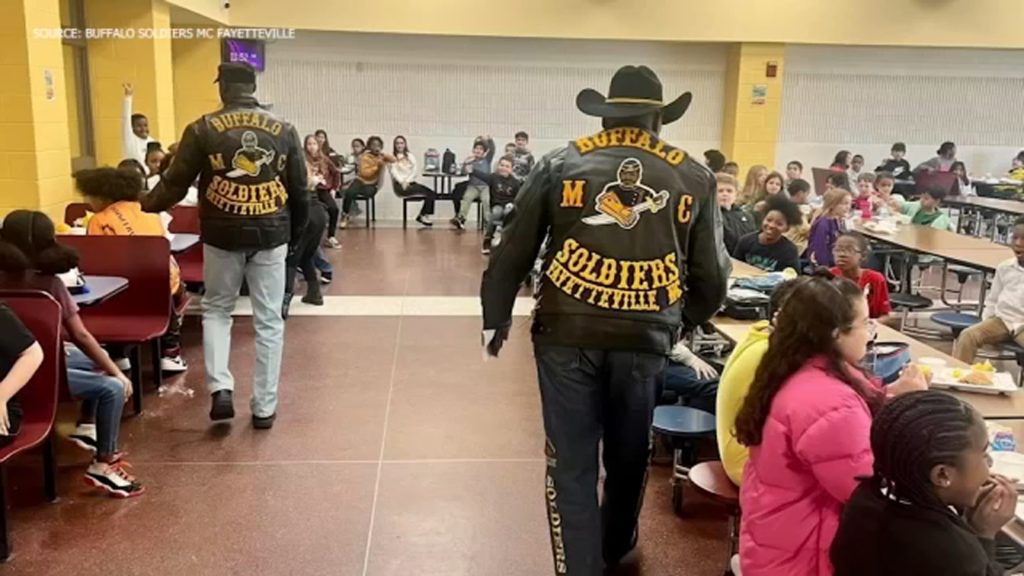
{"x":636,"y":253}
{"x":253,"y":202}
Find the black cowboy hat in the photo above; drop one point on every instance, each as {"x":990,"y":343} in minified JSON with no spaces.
{"x":634,"y":91}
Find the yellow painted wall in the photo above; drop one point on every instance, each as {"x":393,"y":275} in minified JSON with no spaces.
{"x":212,"y":9}
{"x":35,"y":160}
{"x":145,"y":63}
{"x":961,"y":23}
{"x":750,"y":130}
{"x":195,"y":67}
{"x":70,"y":93}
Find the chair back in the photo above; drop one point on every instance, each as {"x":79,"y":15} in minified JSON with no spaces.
{"x":74,"y":211}
{"x":184,"y":220}
{"x":41,"y":314}
{"x":143,"y":260}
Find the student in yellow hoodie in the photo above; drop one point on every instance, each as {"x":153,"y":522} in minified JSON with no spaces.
{"x":736,"y":380}
{"x":113,"y":194}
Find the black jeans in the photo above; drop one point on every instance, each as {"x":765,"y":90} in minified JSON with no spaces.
{"x":457,"y":193}
{"x":588,"y":396}
{"x":358,"y":189}
{"x":417,"y":189}
{"x":326,"y":198}
{"x":304,"y":251}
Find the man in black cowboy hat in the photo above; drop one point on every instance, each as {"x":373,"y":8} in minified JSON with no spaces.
{"x":636,"y":254}
{"x":253,"y":202}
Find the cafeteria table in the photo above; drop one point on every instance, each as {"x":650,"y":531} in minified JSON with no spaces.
{"x":99,"y":289}
{"x":182,"y":242}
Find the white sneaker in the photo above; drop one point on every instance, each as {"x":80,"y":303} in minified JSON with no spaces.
{"x":84,"y":437}
{"x":173,"y":365}
{"x":734,"y":565}
{"x":123,"y":364}
{"x":425,"y":220}
{"x":333,"y":243}
{"x":114,"y":479}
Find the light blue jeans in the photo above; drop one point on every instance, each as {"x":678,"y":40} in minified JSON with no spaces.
{"x":264,"y":272}
{"x":102,"y":398}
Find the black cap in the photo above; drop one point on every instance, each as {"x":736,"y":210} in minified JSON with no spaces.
{"x":235,"y":73}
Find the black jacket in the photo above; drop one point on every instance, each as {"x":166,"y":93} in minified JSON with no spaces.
{"x":900,"y":169}
{"x":635,"y":245}
{"x":736,"y":223}
{"x":880,"y":537}
{"x":252,"y":177}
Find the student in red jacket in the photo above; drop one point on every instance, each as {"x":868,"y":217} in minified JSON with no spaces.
{"x":850,"y":251}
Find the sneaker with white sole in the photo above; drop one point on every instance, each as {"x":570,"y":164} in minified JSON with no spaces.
{"x":333,"y":242}
{"x":458,"y":223}
{"x":123,"y":364}
{"x":173,"y":364}
{"x":114,"y":478}
{"x":425,"y":220}
{"x":84,"y":437}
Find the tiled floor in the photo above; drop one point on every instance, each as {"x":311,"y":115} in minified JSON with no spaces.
{"x":398,"y":450}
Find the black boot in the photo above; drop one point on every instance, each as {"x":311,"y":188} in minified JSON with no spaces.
{"x":286,"y":304}
{"x":313,"y":295}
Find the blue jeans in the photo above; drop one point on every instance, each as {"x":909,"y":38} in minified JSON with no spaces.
{"x":102,"y":398}
{"x":694,"y":391}
{"x":322,"y":264}
{"x":264,"y":272}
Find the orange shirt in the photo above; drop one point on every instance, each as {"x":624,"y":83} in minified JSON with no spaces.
{"x":128,"y":219}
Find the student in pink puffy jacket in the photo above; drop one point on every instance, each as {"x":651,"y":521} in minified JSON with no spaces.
{"x":807,"y":421}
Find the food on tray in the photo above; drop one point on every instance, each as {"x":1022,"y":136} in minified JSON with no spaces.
{"x":977,"y":378}
{"x":985,"y":366}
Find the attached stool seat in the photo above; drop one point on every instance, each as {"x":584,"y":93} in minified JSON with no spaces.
{"x":955,"y":321}
{"x":963,"y":273}
{"x":907,"y":303}
{"x":683,"y":427}
{"x":710,"y":480}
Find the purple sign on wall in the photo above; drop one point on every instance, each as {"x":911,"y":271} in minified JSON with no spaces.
{"x":243,"y":51}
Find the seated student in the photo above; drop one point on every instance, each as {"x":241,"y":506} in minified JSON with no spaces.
{"x":964,"y":186}
{"x":753,"y":188}
{"x":522,"y":158}
{"x":403,"y":178}
{"x":841,"y":163}
{"x":794,"y":171}
{"x":714,"y":160}
{"x":865,"y":189}
{"x":799,"y":191}
{"x":503,"y":189}
{"x":1003,"y":315}
{"x":774,"y":184}
{"x":926,"y":210}
{"x":133,"y":166}
{"x":897,"y":165}
{"x":114,"y":197}
{"x":736,"y":222}
{"x":931,"y":506}
{"x":850,"y":251}
{"x":367,"y":180}
{"x":154,"y":164}
{"x":1017,"y":167}
{"x":769,"y":249}
{"x":350,"y":164}
{"x":883,"y":198}
{"x":30,"y":258}
{"x":20,"y":357}
{"x":738,"y":376}
{"x":828,"y":225}
{"x":476,"y":188}
{"x":325,"y":179}
{"x":731,"y":168}
{"x":806,"y":421}
{"x":856,"y":167}
{"x":691,"y":378}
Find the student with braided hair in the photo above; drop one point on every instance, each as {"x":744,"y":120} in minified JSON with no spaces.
{"x":931,"y":506}
{"x":806,"y":421}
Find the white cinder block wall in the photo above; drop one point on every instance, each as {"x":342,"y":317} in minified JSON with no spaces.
{"x":863,"y":99}
{"x":440,"y":92}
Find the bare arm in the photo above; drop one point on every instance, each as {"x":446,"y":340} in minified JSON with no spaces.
{"x":85,"y":341}
{"x":22,"y":371}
